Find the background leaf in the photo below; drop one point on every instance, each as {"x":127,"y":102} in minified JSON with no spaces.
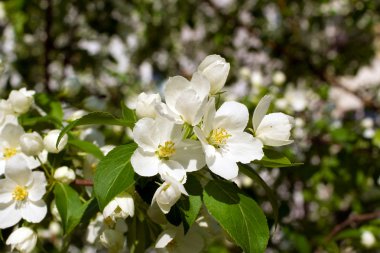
{"x":238,"y":214}
{"x":87,"y":147}
{"x":114,"y":174}
{"x":275,"y":159}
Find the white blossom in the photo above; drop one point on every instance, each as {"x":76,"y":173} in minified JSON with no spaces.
{"x":113,"y":240}
{"x":185,"y":100}
{"x":162,"y":150}
{"x":64,"y":174}
{"x":31,"y":144}
{"x":272,"y":129}
{"x":367,"y":239}
{"x":122,"y":206}
{"x":22,"y":239}
{"x":21,"y":100}
{"x":215,"y":69}
{"x":50,"y":141}
{"x":224,"y":141}
{"x":21,"y":194}
{"x":146,"y":105}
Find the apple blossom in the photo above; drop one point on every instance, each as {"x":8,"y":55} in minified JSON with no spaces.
{"x":50,"y":141}
{"x":122,"y":206}
{"x":272,"y":129}
{"x":113,"y":240}
{"x":146,"y":105}
{"x":23,"y":239}
{"x":168,"y":193}
{"x":64,"y":174}
{"x":224,"y":141}
{"x":162,"y":150}
{"x":21,"y":100}
{"x":215,"y":69}
{"x":185,"y":100}
{"x":21,"y":194}
{"x":31,"y":144}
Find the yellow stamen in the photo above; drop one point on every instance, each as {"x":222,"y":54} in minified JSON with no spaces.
{"x":9,"y":152}
{"x":218,"y":137}
{"x":20,"y":193}
{"x":165,"y":151}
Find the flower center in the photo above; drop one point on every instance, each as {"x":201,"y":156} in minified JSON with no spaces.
{"x":165,"y":151}
{"x":9,"y":152}
{"x":218,"y":137}
{"x":20,"y":193}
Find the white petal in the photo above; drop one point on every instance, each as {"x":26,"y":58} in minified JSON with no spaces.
{"x":190,"y":107}
{"x":165,"y":237}
{"x":144,"y":134}
{"x":31,"y":162}
{"x":2,"y":166}
{"x":190,"y":155}
{"x":242,"y":147}
{"x":126,"y":204}
{"x":9,"y":216}
{"x":277,"y":143}
{"x":164,"y":111}
{"x":274,"y":129}
{"x":173,"y":169}
{"x":145,"y":163}
{"x":6,"y":190}
{"x":167,"y":130}
{"x":11,"y":134}
{"x":173,"y":89}
{"x":260,"y":111}
{"x":223,"y":166}
{"x":201,"y":84}
{"x":232,"y":116}
{"x":209,"y":117}
{"x":18,"y":171}
{"x":19,"y":235}
{"x":110,"y":208}
{"x":38,"y":188}
{"x":199,"y":133}
{"x":33,"y":211}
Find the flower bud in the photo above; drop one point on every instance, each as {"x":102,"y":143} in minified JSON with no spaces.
{"x":23,"y":239}
{"x":122,"y":206}
{"x":21,"y":100}
{"x":112,"y":240}
{"x":31,"y":144}
{"x":64,"y":174}
{"x":50,"y":141}
{"x":145,"y":105}
{"x":274,"y":129}
{"x":215,"y":69}
{"x":367,"y":239}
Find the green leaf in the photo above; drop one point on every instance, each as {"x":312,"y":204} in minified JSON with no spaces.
{"x":248,"y":171}
{"x":238,"y":214}
{"x":128,"y":114}
{"x":69,"y":206}
{"x":87,"y":147}
{"x":275,"y":159}
{"x":101,"y":118}
{"x":191,"y":205}
{"x":114,"y":174}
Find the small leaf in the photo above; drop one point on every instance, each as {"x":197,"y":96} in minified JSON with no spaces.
{"x":275,"y":159}
{"x":248,"y":171}
{"x":69,"y":206}
{"x":101,"y":118}
{"x":114,"y":174}
{"x":128,"y":114}
{"x":87,"y":147}
{"x":238,"y":214}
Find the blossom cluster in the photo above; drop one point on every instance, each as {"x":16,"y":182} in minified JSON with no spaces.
{"x":189,"y":131}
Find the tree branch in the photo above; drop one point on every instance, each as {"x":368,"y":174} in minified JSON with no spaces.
{"x":84,"y":182}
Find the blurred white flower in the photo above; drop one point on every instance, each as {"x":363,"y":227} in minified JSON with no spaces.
{"x":64,"y":174}
{"x":146,"y":105}
{"x":113,"y":240}
{"x":367,"y":123}
{"x":185,"y":100}
{"x":278,"y":77}
{"x":367,"y":239}
{"x":31,"y":144}
{"x":257,"y":78}
{"x":122,"y":206}
{"x":296,"y":98}
{"x":21,"y":100}
{"x":224,"y":141}
{"x":215,"y":69}
{"x":22,"y":239}
{"x":50,"y":141}
{"x":272,"y":129}
{"x":21,"y":194}
{"x":168,"y":193}
{"x":71,"y":86}
{"x":162,"y":150}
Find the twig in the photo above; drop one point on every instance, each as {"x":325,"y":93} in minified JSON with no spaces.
{"x":353,"y":219}
{"x":84,"y":182}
